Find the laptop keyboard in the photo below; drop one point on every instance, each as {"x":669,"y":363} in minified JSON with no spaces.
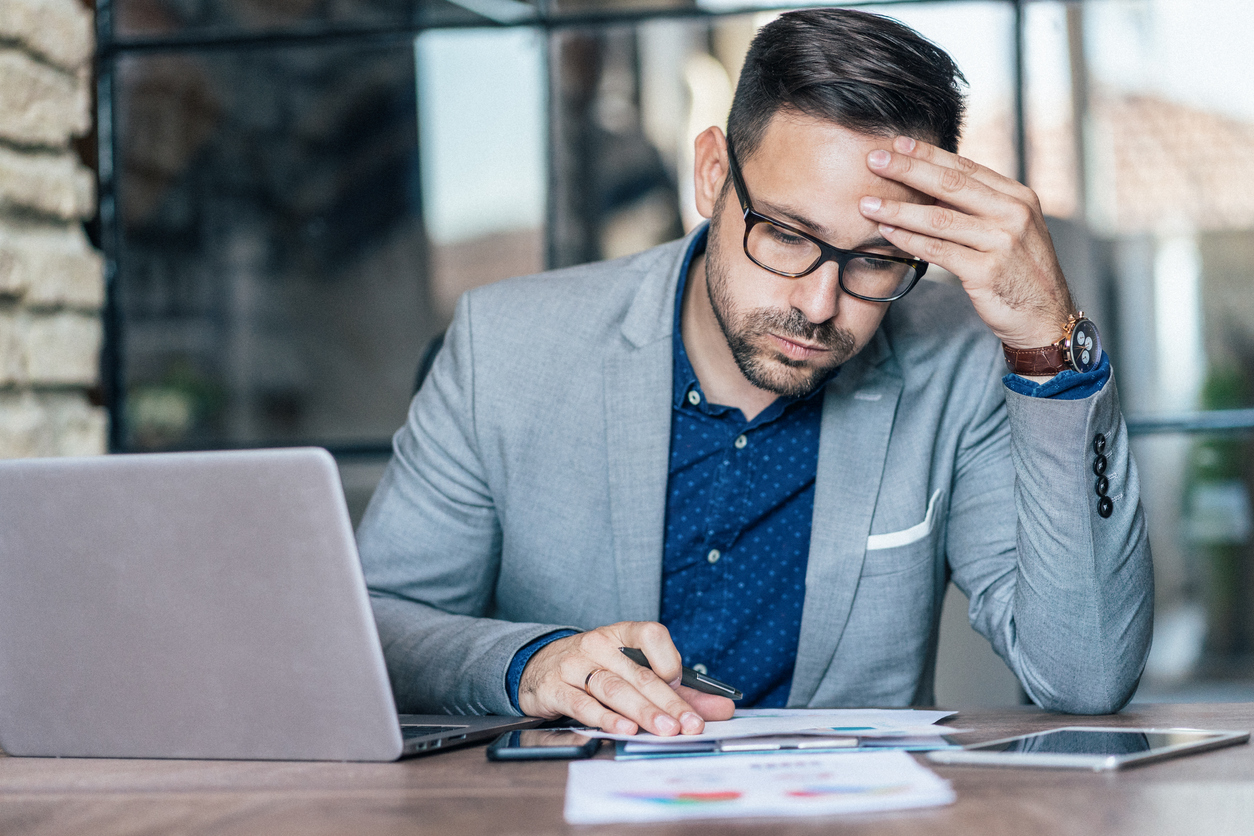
{"x":410,"y":732}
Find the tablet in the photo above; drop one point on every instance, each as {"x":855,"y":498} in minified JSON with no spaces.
{"x":1087,"y":747}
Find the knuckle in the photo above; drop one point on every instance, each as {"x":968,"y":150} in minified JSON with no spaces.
{"x":1025,"y":194}
{"x":604,"y":717}
{"x":968,"y":166}
{"x":642,"y":677}
{"x":585,"y":709}
{"x":654,"y":632}
{"x":568,"y":668}
{"x":674,"y":704}
{"x":935,"y":249}
{"x":598,"y":643}
{"x":953,"y":180}
{"x":1021,"y":216}
{"x":941,"y":219}
{"x":613,"y":686}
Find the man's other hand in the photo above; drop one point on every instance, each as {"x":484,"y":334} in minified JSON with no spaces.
{"x":587,"y":678}
{"x":985,"y":228}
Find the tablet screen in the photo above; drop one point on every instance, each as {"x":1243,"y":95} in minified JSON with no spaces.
{"x":1094,"y":742}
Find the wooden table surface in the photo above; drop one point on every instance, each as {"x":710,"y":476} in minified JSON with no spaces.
{"x":460,"y":792}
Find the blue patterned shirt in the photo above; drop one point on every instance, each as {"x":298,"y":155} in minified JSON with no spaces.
{"x":739,"y":501}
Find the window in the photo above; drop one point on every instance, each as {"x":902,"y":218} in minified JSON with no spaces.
{"x":294,"y":194}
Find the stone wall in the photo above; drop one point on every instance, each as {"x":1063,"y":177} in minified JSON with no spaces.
{"x":51,"y":288}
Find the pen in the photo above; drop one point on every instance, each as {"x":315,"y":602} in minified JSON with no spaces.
{"x":696,"y":681}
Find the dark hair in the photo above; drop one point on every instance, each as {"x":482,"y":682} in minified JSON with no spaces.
{"x":862,"y":71}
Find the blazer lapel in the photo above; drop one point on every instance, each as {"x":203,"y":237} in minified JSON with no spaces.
{"x":638,"y":437}
{"x":637,"y":422}
{"x":858,"y":410}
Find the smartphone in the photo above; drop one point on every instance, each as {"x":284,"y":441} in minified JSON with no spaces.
{"x":542,"y":744}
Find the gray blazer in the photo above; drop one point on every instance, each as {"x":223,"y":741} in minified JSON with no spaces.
{"x":527,"y":492}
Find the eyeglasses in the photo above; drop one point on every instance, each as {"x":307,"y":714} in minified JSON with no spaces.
{"x":788,"y":251}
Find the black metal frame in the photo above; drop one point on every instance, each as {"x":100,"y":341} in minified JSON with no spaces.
{"x":546,"y":18}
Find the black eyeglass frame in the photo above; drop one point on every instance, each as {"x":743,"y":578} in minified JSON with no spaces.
{"x":826,"y":251}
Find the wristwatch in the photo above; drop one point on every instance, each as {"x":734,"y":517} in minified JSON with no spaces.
{"x":1080,"y":349}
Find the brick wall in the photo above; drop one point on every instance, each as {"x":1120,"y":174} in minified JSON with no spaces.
{"x":51,"y":289}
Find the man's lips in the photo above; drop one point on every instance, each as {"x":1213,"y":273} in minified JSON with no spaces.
{"x":798,"y":350}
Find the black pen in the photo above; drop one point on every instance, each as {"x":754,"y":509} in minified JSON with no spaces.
{"x":696,"y":681}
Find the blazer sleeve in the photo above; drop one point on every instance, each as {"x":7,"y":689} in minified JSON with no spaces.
{"x":1064,"y":594}
{"x":430,"y":545}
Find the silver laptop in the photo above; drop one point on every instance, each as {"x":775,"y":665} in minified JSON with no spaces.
{"x":195,"y":605}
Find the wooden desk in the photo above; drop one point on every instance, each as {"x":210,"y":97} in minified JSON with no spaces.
{"x":460,"y":792}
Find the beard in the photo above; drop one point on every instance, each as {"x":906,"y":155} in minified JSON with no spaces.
{"x":762,"y":364}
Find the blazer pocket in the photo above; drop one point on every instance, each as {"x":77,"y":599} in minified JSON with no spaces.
{"x":913,"y":534}
{"x":900,"y":553}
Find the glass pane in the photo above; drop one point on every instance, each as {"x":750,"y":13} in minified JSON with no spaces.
{"x":619,"y":121}
{"x":482,"y":100}
{"x":1196,"y":492}
{"x":980,"y":38}
{"x":272,"y":272}
{"x":586,"y":8}
{"x":1141,"y":135}
{"x":630,"y":100}
{"x":205,"y":18}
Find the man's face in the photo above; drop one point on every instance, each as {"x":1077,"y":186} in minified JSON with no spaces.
{"x":787,"y":334}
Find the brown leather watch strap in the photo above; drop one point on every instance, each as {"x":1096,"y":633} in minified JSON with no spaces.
{"x":1035,"y":362}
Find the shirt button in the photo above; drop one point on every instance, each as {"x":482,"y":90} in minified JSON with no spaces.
{"x":701,"y":669}
{"x":740,"y":442}
{"x":713,"y":556}
{"x":694,"y":397}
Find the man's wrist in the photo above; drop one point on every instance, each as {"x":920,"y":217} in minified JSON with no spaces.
{"x":1078,"y":349}
{"x":513,"y":675}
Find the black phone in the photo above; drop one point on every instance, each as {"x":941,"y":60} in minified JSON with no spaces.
{"x":542,"y":744}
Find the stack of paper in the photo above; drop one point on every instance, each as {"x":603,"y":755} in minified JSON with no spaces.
{"x":760,"y":730}
{"x":605,"y":791}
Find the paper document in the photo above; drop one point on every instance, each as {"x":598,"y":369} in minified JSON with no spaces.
{"x":751,"y":722}
{"x":605,"y":791}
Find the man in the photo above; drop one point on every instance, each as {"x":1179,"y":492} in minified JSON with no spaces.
{"x":764,"y":450}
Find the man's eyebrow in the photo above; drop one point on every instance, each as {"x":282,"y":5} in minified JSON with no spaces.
{"x":877,"y":241}
{"x":820,"y":231}
{"x":797,"y":218}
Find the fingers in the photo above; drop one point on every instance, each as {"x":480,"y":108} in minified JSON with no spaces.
{"x":628,"y":697}
{"x":936,"y":221}
{"x":955,"y":258}
{"x":978,"y":211}
{"x":954,"y":180}
{"x":588,"y":678}
{"x":656,"y":685}
{"x":926,"y":152}
{"x":580,"y":705}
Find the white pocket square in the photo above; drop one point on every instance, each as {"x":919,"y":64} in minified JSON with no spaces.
{"x":906,"y":536}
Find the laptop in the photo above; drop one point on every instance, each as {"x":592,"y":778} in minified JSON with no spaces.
{"x":195,"y":605}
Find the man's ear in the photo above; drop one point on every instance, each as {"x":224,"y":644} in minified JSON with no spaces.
{"x":709,"y":168}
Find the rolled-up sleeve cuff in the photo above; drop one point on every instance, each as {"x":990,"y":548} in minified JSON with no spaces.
{"x":1065,"y":386}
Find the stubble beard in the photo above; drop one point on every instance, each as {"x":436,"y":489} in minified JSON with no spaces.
{"x":762,"y":364}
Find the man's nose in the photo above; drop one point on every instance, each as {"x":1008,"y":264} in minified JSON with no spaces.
{"x":817,"y":295}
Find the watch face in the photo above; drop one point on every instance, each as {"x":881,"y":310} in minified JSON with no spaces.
{"x":1085,"y":347}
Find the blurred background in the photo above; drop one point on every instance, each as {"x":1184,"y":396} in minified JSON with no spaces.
{"x":293,"y":193}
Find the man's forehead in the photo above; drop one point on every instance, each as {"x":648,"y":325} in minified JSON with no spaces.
{"x":813,"y":172}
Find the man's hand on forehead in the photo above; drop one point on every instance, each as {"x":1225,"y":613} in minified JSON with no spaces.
{"x":985,"y":228}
